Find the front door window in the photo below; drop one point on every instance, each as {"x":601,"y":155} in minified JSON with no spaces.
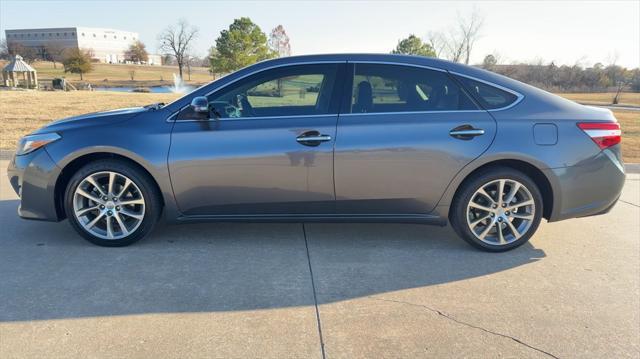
{"x":301,"y":90}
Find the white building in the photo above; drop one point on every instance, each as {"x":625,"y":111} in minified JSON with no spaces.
{"x":154,"y":59}
{"x":107,"y":45}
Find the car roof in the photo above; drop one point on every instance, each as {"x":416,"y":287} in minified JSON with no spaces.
{"x":354,"y":57}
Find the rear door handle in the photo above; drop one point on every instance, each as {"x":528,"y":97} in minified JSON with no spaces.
{"x":466,"y":132}
{"x":312,"y":138}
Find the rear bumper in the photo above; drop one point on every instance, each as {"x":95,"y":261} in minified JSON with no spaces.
{"x":590,"y":188}
{"x":33,"y":177}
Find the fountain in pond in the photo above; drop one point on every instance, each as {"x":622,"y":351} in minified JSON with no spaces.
{"x":178,"y":85}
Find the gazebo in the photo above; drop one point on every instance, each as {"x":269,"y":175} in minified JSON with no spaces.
{"x":18,"y":71}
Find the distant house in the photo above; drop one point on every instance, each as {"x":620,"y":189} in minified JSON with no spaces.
{"x":107,"y":45}
{"x":154,"y":59}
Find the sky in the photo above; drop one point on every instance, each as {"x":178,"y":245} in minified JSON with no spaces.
{"x":565,"y":32}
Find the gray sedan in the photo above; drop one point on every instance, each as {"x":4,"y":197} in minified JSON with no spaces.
{"x":352,"y":137}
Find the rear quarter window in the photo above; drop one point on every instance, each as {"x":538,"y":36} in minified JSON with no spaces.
{"x":490,"y":97}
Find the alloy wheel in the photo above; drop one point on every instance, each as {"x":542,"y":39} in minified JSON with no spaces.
{"x":108,"y":205}
{"x":500,"y":212}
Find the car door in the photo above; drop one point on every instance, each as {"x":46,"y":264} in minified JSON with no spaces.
{"x":409,"y":130}
{"x":266,"y":148}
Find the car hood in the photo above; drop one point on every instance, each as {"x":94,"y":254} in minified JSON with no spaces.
{"x":92,"y":119}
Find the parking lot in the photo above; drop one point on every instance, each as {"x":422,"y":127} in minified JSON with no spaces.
{"x":314,"y":290}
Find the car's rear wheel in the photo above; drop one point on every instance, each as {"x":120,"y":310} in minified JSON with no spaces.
{"x":112,"y":203}
{"x":498,"y":209}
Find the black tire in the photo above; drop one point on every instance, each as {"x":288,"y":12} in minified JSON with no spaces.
{"x":153,"y":201}
{"x":458,"y":214}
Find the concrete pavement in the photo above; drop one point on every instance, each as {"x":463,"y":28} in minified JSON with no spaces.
{"x":338,"y":290}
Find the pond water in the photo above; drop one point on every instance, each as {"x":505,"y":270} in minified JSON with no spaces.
{"x":153,"y":89}
{"x":178,"y":87}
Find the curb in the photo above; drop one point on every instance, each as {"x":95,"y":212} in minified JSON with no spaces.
{"x":6,"y":154}
{"x":632,"y":167}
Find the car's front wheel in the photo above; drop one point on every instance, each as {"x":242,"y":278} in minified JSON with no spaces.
{"x":112,"y":203}
{"x":498,"y":209}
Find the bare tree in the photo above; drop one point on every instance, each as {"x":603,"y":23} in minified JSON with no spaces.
{"x":571,"y":78}
{"x":438,"y":42}
{"x":279,"y":41}
{"x":168,"y":60}
{"x":54,"y":53}
{"x":190,"y":60}
{"x":457,"y":43}
{"x":187,"y":64}
{"x":29,"y":54}
{"x":175,"y":41}
{"x":455,"y":47}
{"x":618,"y":76}
{"x":470,"y":31}
{"x":4,"y":50}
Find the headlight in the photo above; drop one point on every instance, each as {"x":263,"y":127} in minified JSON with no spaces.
{"x":31,"y":143}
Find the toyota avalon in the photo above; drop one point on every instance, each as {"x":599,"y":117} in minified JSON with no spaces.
{"x":354,"y":137}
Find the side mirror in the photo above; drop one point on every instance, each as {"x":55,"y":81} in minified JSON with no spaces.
{"x":200,"y":106}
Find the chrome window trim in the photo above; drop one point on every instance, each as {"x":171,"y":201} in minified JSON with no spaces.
{"x":408,"y":112}
{"x":519,"y":96}
{"x":397,"y":64}
{"x":169,"y":119}
{"x":172,"y":117}
{"x":251,"y":118}
{"x":275,"y":67}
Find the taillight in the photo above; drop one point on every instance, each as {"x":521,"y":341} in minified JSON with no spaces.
{"x":604,"y":134}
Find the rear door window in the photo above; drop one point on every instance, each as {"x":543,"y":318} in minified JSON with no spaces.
{"x":380,"y":88}
{"x":489,"y":97}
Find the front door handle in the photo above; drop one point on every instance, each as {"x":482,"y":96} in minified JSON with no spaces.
{"x":466,"y":132}
{"x":312,"y":138}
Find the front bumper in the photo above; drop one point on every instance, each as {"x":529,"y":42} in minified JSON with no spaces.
{"x":589,"y":188}
{"x":33,"y":177}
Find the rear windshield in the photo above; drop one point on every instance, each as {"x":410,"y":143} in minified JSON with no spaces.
{"x":488,"y":96}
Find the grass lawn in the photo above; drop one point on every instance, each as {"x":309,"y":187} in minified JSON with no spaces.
{"x":24,"y":111}
{"x":630,"y":122}
{"x":599,"y":98}
{"x":111,"y":75}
